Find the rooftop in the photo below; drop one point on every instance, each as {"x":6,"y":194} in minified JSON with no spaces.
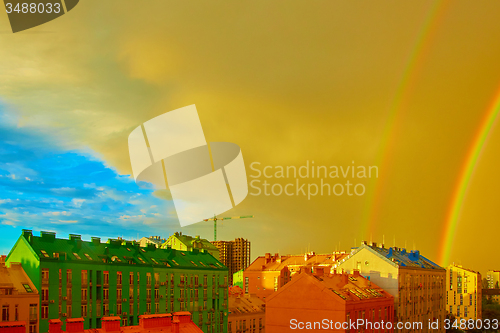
{"x":190,"y":240}
{"x":49,"y":248}
{"x":15,"y":280}
{"x":398,"y":256}
{"x":277,"y":262}
{"x":247,"y":303}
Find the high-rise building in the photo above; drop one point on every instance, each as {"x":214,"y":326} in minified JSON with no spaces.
{"x":317,"y":301}
{"x":235,"y":255}
{"x":19,"y":298}
{"x":464,"y":292}
{"x":182,"y":242}
{"x":89,"y":280}
{"x":417,"y":284}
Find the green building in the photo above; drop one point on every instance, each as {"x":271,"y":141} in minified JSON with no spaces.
{"x":93,"y":279}
{"x":182,"y":242}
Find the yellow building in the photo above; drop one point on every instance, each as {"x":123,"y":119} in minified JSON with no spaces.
{"x":464,"y":292}
{"x":19,"y":298}
{"x":416,"y":283}
{"x":493,"y":278}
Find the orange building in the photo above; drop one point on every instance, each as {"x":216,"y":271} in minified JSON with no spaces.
{"x":179,"y":322}
{"x":268,"y":273}
{"x":19,"y":299}
{"x":246,"y":312}
{"x":337,"y":302}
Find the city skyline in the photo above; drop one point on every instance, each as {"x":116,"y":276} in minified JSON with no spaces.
{"x":411,"y":88}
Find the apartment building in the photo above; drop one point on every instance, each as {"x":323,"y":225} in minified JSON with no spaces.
{"x":91,"y":280}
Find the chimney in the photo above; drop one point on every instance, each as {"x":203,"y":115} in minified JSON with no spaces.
{"x":155,"y":320}
{"x":111,"y":324}
{"x":319,"y":271}
{"x":74,"y":325}
{"x":55,"y":326}
{"x":356,"y":273}
{"x":77,"y":239}
{"x":374,"y":244}
{"x":96,"y":240}
{"x":175,"y":324}
{"x":267,"y":258}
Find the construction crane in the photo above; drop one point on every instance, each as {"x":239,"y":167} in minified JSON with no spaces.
{"x":215,"y":219}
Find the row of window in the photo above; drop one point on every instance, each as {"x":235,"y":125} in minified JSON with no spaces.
{"x":119,"y":278}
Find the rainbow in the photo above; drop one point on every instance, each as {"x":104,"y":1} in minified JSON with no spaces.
{"x":414,"y":65}
{"x":466,"y":174}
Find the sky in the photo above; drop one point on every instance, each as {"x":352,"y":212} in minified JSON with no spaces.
{"x":404,"y":86}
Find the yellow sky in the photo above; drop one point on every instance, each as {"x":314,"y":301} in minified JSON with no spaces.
{"x":288,"y":81}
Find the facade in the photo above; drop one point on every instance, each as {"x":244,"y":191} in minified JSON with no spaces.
{"x":178,"y":322}
{"x":155,"y":240}
{"x":464,"y":292}
{"x":238,"y":279}
{"x":493,"y":278}
{"x":235,"y":255}
{"x":19,"y":299}
{"x":246,"y":313}
{"x":417,"y":284}
{"x":178,"y":241}
{"x":268,"y":273}
{"x":310,"y":298}
{"x":93,"y":279}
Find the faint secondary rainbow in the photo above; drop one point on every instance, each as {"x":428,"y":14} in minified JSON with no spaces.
{"x":466,"y":173}
{"x":409,"y":78}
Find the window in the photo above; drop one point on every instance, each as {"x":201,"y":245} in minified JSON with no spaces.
{"x":118,"y":278}
{"x":45,"y":275}
{"x":88,"y":257}
{"x":148,"y":278}
{"x":84,"y":310}
{"x":45,"y":294}
{"x":131,"y":278}
{"x":148,"y":308}
{"x":5,"y":313}
{"x":157,"y":307}
{"x":68,"y":294}
{"x":106,"y":294}
{"x":45,"y":311}
{"x":16,"y":312}
{"x":32,"y":328}
{"x":69,"y":276}
{"x":84,"y":278}
{"x":69,"y":312}
{"x":119,"y":308}
{"x":76,"y":256}
{"x":27,"y":287}
{"x":141,"y":260}
{"x":106,"y":277}
{"x":44,"y":253}
{"x":33,"y":312}
{"x":84,"y":295}
{"x":118,"y":294}
{"x":205,"y":279}
{"x":275,"y":283}
{"x":246,"y":284}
